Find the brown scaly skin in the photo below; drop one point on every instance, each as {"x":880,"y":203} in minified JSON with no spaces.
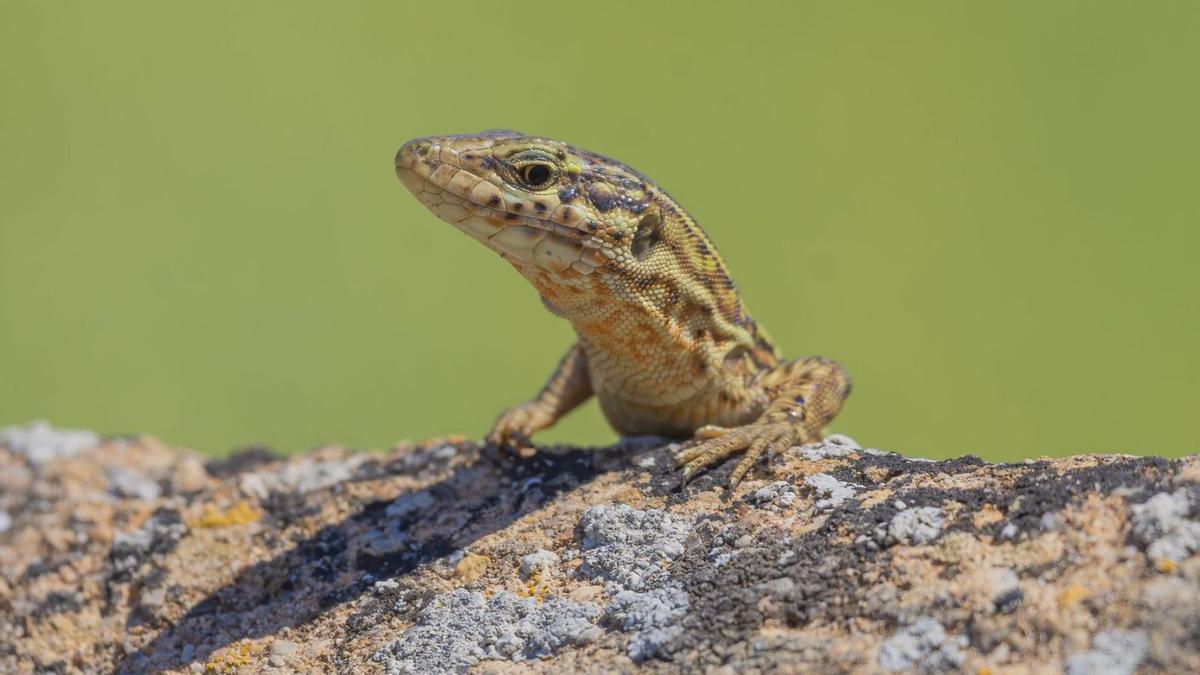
{"x":664,"y":341}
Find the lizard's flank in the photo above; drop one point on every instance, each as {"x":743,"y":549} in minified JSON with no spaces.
{"x":664,"y":341}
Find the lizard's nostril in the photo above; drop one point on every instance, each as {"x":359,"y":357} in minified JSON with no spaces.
{"x":414,"y":148}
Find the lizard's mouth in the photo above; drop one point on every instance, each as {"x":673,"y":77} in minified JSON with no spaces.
{"x":461,"y":188}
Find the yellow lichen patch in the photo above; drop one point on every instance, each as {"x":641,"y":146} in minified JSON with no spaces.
{"x":229,"y":660}
{"x":239,"y":514}
{"x":986,"y":515}
{"x":1166,"y":565}
{"x":535,"y":587}
{"x":471,"y":567}
{"x":1071,"y":596}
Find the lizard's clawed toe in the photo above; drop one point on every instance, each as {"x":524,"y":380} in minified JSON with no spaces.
{"x":513,"y":429}
{"x":754,"y":440}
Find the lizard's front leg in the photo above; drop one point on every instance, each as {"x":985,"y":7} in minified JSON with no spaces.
{"x":567,"y":387}
{"x":805,"y":395}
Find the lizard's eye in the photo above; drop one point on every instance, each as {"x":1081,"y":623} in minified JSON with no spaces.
{"x":533,"y":169}
{"x":536,"y":175}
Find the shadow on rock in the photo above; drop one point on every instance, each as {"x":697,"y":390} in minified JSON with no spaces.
{"x":341,"y":561}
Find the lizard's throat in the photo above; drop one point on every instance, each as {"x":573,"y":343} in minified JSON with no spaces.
{"x":542,"y":255}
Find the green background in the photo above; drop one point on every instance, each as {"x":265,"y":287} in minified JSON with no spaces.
{"x":986,"y":211}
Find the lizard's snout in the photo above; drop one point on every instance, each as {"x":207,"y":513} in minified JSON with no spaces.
{"x":414,"y":162}
{"x":418,"y":147}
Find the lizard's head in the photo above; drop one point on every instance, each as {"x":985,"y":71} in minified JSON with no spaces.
{"x":603,"y":245}
{"x":549,"y":208}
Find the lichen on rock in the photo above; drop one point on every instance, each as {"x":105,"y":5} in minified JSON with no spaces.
{"x":128,"y":556}
{"x":626,"y":547}
{"x":458,"y":629}
{"x":831,"y":491}
{"x":915,"y":525}
{"x":652,"y":616}
{"x":922,"y":645}
{"x":40,"y":442}
{"x":1113,"y":652}
{"x":1166,"y":524}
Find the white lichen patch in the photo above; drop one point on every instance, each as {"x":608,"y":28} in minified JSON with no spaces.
{"x":922,"y":645}
{"x":300,"y":477}
{"x":1164,"y":524}
{"x":652,"y":616}
{"x":626,"y":548}
{"x":1113,"y":652}
{"x":40,"y":442}
{"x":458,"y":629}
{"x":835,"y":445}
{"x":916,"y":525}
{"x":541,"y":562}
{"x":778,"y":494}
{"x":832,"y":492}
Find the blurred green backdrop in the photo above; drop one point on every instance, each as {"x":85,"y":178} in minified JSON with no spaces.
{"x":987,"y":211}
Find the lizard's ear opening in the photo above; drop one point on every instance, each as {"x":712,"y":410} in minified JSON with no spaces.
{"x":648,"y":233}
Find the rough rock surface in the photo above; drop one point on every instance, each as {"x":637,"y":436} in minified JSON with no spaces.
{"x":125,"y":555}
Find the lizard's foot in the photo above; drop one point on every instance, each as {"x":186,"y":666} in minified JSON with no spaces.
{"x":719,"y":444}
{"x":515,"y":425}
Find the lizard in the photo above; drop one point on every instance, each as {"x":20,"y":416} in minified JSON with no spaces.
{"x":664,"y":340}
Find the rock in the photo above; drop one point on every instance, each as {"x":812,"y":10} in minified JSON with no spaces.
{"x":653,"y":616}
{"x":300,"y":477}
{"x":626,"y":547}
{"x":158,"y":535}
{"x":922,"y":645}
{"x":1003,"y":587}
{"x":540,"y":562}
{"x":129,"y":557}
{"x":283,"y":648}
{"x":241,"y":461}
{"x":458,"y":629}
{"x":1009,"y":531}
{"x":916,"y":525}
{"x":386,"y":541}
{"x":1051,"y":522}
{"x":471,"y":567}
{"x":40,"y":443}
{"x":1165,"y":524}
{"x":126,"y":483}
{"x":780,"y":493}
{"x":409,"y":504}
{"x":836,"y":445}
{"x":831,"y":490}
{"x":1113,"y":653}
